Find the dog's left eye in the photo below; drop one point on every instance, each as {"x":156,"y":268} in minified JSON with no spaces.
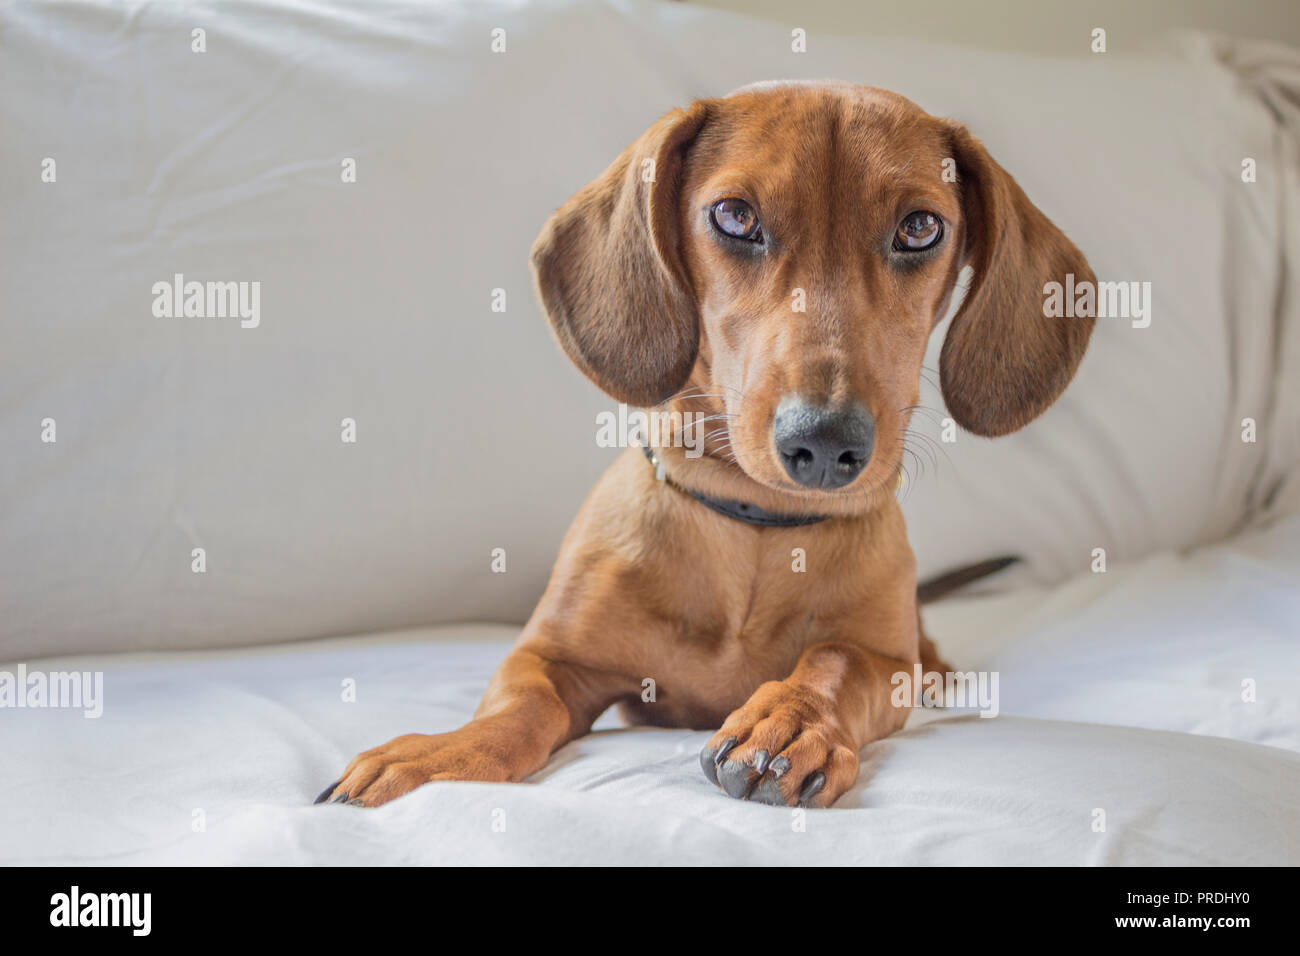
{"x":737,"y":219}
{"x":918,"y":230}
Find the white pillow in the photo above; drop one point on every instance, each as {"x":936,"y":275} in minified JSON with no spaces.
{"x":473,"y":432}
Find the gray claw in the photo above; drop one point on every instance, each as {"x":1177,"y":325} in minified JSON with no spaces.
{"x":327,"y":791}
{"x":812,"y":786}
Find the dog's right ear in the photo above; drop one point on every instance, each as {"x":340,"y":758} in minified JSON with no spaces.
{"x":1004,"y":361}
{"x":609,"y":270}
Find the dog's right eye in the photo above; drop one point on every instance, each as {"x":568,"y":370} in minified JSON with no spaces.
{"x":918,"y":231}
{"x":737,"y":219}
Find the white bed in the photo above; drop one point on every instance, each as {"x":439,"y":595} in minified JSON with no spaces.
{"x":1120,"y":692}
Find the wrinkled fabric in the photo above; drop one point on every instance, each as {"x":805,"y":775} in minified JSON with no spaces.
{"x":1121,"y":703}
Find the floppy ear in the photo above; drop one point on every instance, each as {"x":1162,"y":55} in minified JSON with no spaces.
{"x":1004,"y":361}
{"x":609,"y":270}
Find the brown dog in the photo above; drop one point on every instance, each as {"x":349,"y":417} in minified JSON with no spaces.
{"x":672,"y":282}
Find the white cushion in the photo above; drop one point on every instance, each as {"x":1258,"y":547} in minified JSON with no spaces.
{"x":1117,"y":692}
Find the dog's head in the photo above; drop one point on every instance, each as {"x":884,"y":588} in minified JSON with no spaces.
{"x":783,"y":254}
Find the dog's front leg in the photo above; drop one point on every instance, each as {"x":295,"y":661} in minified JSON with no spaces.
{"x":533,"y":705}
{"x":795,"y":742}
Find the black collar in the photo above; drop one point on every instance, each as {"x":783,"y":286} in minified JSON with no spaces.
{"x":739,"y":510}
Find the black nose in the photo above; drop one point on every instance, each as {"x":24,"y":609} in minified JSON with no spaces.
{"x":822,"y":448}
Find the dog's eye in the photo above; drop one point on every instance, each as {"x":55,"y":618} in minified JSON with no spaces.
{"x":736,"y":218}
{"x":918,"y":230}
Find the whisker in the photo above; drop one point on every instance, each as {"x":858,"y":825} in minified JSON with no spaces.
{"x":931,"y":377}
{"x":920,"y":466}
{"x":933,"y":445}
{"x":917,"y":442}
{"x":687,"y":392}
{"x":709,"y":418}
{"x":932,"y":413}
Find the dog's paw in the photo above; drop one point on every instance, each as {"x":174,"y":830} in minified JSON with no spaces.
{"x":782,"y":748}
{"x":404,"y":763}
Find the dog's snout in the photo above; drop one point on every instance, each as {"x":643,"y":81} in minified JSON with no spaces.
{"x":821,"y":448}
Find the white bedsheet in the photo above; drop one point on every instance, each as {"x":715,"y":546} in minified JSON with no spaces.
{"x":1120,"y":692}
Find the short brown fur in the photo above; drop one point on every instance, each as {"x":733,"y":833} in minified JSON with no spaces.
{"x":654,"y":308}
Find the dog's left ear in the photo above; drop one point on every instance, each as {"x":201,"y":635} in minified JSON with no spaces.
{"x":609,"y":270}
{"x":1004,"y":362}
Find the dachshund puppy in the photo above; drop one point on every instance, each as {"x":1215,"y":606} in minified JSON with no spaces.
{"x":776,"y":261}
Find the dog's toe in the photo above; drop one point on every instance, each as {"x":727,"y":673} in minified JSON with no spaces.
{"x":707,"y":765}
{"x":736,"y":778}
{"x":711,"y":758}
{"x":768,"y":791}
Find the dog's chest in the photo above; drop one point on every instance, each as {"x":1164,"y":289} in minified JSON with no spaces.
{"x":737,"y":624}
